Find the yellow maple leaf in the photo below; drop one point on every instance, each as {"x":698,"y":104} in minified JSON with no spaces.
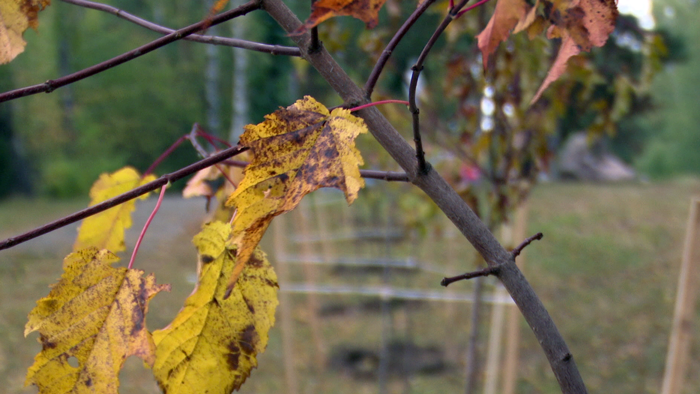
{"x":211,"y":345}
{"x":296,"y":150}
{"x":105,"y":230}
{"x":15,"y":17}
{"x":95,"y":314}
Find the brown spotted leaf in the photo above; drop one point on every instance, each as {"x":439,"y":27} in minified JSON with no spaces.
{"x":95,"y":314}
{"x":581,"y":25}
{"x":15,"y":17}
{"x":212,"y":344}
{"x":364,"y":10}
{"x":296,"y":150}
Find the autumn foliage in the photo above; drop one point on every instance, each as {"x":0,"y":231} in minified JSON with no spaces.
{"x":96,"y":313}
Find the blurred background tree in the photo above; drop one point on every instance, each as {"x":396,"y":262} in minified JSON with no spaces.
{"x":132,"y":113}
{"x":672,"y":131}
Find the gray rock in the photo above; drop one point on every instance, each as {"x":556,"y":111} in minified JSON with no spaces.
{"x":582,"y":161}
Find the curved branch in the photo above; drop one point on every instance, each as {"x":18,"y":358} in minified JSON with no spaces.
{"x":386,"y":53}
{"x":51,"y":85}
{"x":417,"y":68}
{"x":447,"y":199}
{"x":141,"y":190}
{"x":214,"y":40}
{"x":389,"y":176}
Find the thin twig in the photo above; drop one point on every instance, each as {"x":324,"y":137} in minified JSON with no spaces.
{"x":164,"y":155}
{"x":471,"y":7}
{"x":192,"y":136}
{"x":469,"y":275}
{"x":145,"y":226}
{"x":374,"y":103}
{"x":389,"y":176}
{"x":417,"y":68}
{"x":516,"y":252}
{"x":130,"y":195}
{"x":51,"y":85}
{"x":214,"y":40}
{"x":212,"y":138}
{"x":386,"y":53}
{"x":315,"y":42}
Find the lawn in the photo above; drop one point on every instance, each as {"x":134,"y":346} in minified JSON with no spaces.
{"x":606,"y":270}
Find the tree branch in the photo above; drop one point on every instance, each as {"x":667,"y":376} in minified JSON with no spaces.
{"x":214,"y":40}
{"x":417,"y":68}
{"x":141,"y":190}
{"x":51,"y":85}
{"x":558,"y":355}
{"x":516,"y":252}
{"x":386,"y":53}
{"x":469,"y":275}
{"x":389,"y":176}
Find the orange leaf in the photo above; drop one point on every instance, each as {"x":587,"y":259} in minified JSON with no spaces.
{"x":567,"y":50}
{"x":505,"y":17}
{"x":364,"y":10}
{"x":527,"y":19}
{"x":581,"y":24}
{"x":600,"y":19}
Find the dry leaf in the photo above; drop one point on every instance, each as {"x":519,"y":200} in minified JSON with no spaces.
{"x":211,"y":345}
{"x":567,"y":50}
{"x":527,"y":19}
{"x":581,"y":24}
{"x":95,"y":314}
{"x":505,"y":17}
{"x":15,"y":17}
{"x":105,"y":230}
{"x":197,"y":186}
{"x":296,"y":150}
{"x":364,"y":10}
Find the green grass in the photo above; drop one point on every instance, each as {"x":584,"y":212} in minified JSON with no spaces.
{"x":606,"y":270}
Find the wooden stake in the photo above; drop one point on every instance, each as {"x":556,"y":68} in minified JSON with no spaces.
{"x":679,"y":343}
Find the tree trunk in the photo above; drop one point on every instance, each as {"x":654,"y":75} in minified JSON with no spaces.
{"x":447,"y":199}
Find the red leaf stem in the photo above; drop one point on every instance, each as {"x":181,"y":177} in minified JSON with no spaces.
{"x":471,"y":7}
{"x":145,"y":226}
{"x":372,"y":104}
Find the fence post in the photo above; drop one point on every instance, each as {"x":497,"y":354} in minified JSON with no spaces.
{"x":679,"y":342}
